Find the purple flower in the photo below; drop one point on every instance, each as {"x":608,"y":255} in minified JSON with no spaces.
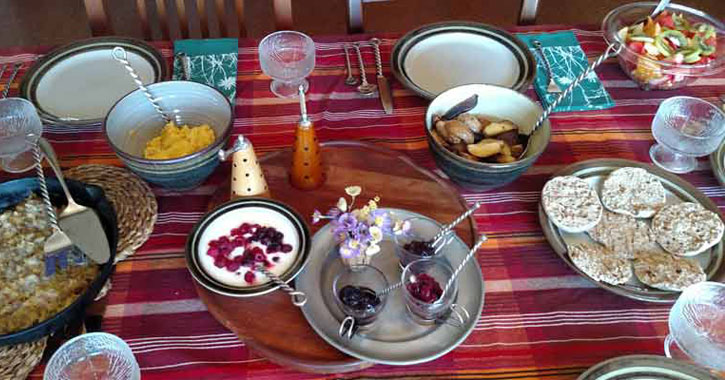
{"x":381,"y":219}
{"x":361,"y":233}
{"x":334,"y":212}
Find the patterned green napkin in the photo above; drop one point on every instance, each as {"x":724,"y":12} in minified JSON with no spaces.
{"x":212,"y":62}
{"x":567,"y":61}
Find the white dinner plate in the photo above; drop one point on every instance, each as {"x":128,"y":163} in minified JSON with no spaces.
{"x":436,"y":57}
{"x":77,"y":84}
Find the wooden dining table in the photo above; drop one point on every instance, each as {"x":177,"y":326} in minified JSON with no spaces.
{"x":540,"y":319}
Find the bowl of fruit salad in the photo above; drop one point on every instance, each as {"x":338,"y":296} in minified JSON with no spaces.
{"x":668,"y":51}
{"x":228,"y":245}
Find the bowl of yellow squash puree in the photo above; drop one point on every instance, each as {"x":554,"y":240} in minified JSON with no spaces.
{"x":179,"y":154}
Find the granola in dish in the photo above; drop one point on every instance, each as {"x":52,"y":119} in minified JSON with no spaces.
{"x":687,"y":229}
{"x":623,"y":234}
{"x":28,"y":296}
{"x":662,"y":270}
{"x":571,"y":203}
{"x":600,"y":263}
{"x":633,"y":191}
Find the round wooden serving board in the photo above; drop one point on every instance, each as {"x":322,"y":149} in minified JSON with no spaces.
{"x":270,"y":324}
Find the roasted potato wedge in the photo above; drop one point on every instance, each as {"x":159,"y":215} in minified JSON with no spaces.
{"x":516,"y":150}
{"x":486,"y":148}
{"x":497,"y":128}
{"x":458,"y":132}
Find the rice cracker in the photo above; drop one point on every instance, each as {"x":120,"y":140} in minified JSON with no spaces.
{"x":623,"y":234}
{"x":662,"y":270}
{"x":687,"y":229}
{"x":600,"y":263}
{"x":633,"y":191}
{"x":571,"y":203}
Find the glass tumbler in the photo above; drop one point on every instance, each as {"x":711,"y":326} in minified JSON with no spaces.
{"x":415,"y":243}
{"x":358,"y":292}
{"x":93,"y":356}
{"x":685,"y":128}
{"x":424,"y":279}
{"x":288,"y":57}
{"x":20,"y":128}
{"x":697,"y":326}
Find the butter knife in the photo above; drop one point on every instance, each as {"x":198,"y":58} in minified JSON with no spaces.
{"x":383,"y":86}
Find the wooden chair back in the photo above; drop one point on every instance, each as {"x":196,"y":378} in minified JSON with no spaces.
{"x":176,"y":19}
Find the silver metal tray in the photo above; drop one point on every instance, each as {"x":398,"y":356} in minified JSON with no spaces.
{"x":645,"y":367}
{"x":394,"y":338}
{"x":678,"y":190}
{"x":717,"y":163}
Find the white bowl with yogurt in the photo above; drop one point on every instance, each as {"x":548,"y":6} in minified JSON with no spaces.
{"x":225,"y":247}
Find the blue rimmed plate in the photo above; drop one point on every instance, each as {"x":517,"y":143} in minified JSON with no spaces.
{"x":221,"y":220}
{"x":436,"y":57}
{"x":77,"y":84}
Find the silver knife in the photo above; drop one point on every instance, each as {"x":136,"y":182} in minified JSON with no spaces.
{"x":383,"y":86}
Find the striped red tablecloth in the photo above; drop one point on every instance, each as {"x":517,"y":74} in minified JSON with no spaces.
{"x":540,"y":319}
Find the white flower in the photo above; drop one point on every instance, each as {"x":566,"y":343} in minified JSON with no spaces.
{"x":342,"y":204}
{"x":376,"y":233}
{"x":372,"y":249}
{"x":227,"y":83}
{"x":353,"y":191}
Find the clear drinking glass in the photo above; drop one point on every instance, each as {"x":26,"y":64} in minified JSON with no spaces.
{"x":441,"y":310}
{"x":697,"y":326}
{"x":20,"y":128}
{"x":685,"y":128}
{"x":93,"y":356}
{"x":288,"y":57}
{"x":361,"y":309}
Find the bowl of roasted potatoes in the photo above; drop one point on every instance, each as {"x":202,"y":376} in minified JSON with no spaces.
{"x":490,"y":144}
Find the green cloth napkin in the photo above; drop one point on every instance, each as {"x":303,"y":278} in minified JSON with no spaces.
{"x":212,"y":62}
{"x":567,"y":61}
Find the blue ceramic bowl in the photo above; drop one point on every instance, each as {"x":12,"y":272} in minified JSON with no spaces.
{"x":496,"y":103}
{"x":133,"y":121}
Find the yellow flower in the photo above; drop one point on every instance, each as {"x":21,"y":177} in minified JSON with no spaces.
{"x":353,"y":191}
{"x":372,"y":249}
{"x":342,"y":204}
{"x":372,"y":205}
{"x":376,"y":233}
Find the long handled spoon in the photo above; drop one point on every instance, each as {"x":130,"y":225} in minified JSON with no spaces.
{"x":299,"y":299}
{"x":58,"y":244}
{"x":365,"y":87}
{"x":449,"y":227}
{"x":11,"y":78}
{"x":463,"y":263}
{"x":120,"y":55}
{"x":611,"y":51}
{"x":350,"y":80}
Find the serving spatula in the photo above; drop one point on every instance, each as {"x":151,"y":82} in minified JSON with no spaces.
{"x":80,"y":223}
{"x":58,"y":244}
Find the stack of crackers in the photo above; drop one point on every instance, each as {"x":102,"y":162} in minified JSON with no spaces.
{"x":635,"y":232}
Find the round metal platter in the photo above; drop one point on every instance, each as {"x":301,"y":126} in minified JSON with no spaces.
{"x":678,"y":190}
{"x":717,"y":163}
{"x":645,"y":367}
{"x":436,"y":57}
{"x":394,"y":338}
{"x":77,"y":84}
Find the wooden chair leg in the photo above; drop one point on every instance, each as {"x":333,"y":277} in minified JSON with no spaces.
{"x":95,"y":9}
{"x":355,"y":16}
{"x":283,"y":14}
{"x":527,"y":15}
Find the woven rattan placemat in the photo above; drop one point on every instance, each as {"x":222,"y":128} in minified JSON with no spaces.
{"x":135,"y":204}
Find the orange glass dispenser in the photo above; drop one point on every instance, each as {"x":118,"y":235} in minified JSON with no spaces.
{"x":307,"y":171}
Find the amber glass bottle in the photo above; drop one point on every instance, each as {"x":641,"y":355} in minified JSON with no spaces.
{"x":307,"y":171}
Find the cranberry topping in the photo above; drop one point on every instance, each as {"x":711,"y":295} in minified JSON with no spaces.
{"x":221,"y":248}
{"x":425,"y":288}
{"x":420,"y":248}
{"x":249,"y":277}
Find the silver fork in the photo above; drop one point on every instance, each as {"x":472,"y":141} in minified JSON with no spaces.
{"x":552,"y":86}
